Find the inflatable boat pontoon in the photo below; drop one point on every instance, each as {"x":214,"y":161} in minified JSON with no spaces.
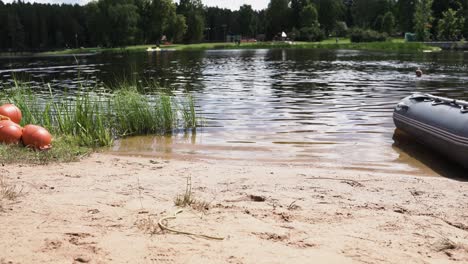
{"x":437,"y":122}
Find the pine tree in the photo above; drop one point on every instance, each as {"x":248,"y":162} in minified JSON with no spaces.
{"x":15,"y":32}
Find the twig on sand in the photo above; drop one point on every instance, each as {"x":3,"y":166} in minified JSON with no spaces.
{"x":337,"y":179}
{"x":362,"y":238}
{"x":165,"y":227}
{"x":460,"y":226}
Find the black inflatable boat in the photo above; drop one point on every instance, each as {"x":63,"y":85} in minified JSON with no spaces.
{"x":438,"y":122}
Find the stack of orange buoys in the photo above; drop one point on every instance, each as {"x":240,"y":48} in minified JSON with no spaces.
{"x":11,"y":132}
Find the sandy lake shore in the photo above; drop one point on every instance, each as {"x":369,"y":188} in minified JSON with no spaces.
{"x":106,"y":208}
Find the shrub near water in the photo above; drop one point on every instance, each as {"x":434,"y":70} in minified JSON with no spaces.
{"x":135,"y":113}
{"x":367,"y":35}
{"x":94,"y":120}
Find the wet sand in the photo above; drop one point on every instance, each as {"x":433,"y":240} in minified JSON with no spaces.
{"x":105,"y":209}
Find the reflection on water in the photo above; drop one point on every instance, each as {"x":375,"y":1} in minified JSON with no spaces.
{"x":312,"y":106}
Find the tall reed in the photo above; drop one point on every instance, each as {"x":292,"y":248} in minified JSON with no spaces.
{"x":95,"y":120}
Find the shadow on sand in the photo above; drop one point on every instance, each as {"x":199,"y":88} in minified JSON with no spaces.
{"x":429,"y":157}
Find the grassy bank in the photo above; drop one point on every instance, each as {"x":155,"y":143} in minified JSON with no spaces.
{"x":344,"y":44}
{"x":88,"y":120}
{"x":393,"y":45}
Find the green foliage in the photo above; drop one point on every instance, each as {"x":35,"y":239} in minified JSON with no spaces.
{"x":86,"y":118}
{"x":295,"y":15}
{"x":308,"y":16}
{"x":365,"y":13}
{"x":178,"y":29}
{"x":309,"y":25}
{"x":96,"y":21}
{"x":294,"y":34}
{"x":451,"y":25}
{"x":15,"y":32}
{"x":405,"y":15}
{"x":277,"y":14}
{"x":188,"y":113}
{"x":118,"y":23}
{"x":163,"y":20}
{"x":399,"y":45}
{"x":362,"y":35}
{"x":394,"y":45}
{"x":195,"y":29}
{"x":378,"y":23}
{"x":65,"y":149}
{"x":313,"y":33}
{"x":330,"y":11}
{"x":123,"y":18}
{"x":388,"y":23}
{"x":247,"y":21}
{"x":423,"y":19}
{"x":94,"y":120}
{"x":194,"y":15}
{"x":341,"y":29}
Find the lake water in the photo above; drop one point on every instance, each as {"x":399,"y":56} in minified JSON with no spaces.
{"x":317,"y":107}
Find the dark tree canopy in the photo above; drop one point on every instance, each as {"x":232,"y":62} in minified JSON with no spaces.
{"x":247,"y":21}
{"x":278,"y":13}
{"x":112,"y":23}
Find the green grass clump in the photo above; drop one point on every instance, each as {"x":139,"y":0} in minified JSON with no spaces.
{"x":188,"y":113}
{"x":135,"y":113}
{"x":89,"y":120}
{"x":86,"y":117}
{"x":65,"y":149}
{"x":187,"y":199}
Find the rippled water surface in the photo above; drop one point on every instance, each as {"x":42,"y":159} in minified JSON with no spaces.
{"x":310,"y":106}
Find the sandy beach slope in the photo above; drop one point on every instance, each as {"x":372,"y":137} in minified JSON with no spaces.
{"x":105,"y":209}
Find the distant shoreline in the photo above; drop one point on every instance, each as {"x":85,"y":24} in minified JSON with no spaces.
{"x":18,"y":55}
{"x":345,"y":44}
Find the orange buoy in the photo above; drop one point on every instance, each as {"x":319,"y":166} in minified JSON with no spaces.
{"x":13,"y":112}
{"x":36,"y":137}
{"x":10,"y":132}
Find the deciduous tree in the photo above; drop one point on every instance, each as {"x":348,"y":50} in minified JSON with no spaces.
{"x":423,"y":19}
{"x":405,"y":15}
{"x":195,"y":19}
{"x":15,"y":32}
{"x":123,"y":18}
{"x":246,"y":21}
{"x":388,"y":23}
{"x":310,"y":27}
{"x":450,"y":26}
{"x":278,"y":13}
{"x":329,"y":12}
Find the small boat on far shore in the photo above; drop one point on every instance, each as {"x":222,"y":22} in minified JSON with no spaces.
{"x":153,"y":49}
{"x":158,"y":49}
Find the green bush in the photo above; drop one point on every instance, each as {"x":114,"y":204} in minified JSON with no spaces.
{"x":367,"y":35}
{"x":341,"y":29}
{"x":313,"y":33}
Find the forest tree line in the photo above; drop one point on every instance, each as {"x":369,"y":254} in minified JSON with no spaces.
{"x":114,"y":23}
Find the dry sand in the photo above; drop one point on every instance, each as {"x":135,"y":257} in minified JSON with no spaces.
{"x":105,"y":209}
